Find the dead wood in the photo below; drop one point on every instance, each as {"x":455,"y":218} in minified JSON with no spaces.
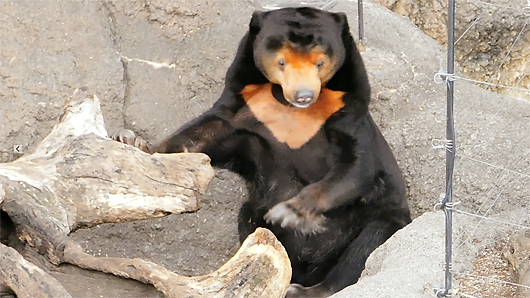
{"x":26,"y":279}
{"x":260,"y":268}
{"x":78,"y":177}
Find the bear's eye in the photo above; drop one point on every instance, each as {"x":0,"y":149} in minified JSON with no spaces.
{"x":320,"y":64}
{"x":281,"y":63}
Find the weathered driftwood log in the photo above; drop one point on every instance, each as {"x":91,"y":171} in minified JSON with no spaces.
{"x":78,"y":177}
{"x":17,"y":273}
{"x":260,"y":268}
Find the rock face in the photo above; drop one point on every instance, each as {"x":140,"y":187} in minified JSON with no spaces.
{"x":492,"y":38}
{"x":49,"y":48}
{"x":411,"y":264}
{"x":175,"y":55}
{"x":408,"y":265}
{"x":156,"y":64}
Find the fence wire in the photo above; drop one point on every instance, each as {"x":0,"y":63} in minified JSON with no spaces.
{"x":510,"y":172}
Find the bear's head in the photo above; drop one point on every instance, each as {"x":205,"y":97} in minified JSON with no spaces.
{"x":302,"y":50}
{"x":294,"y":49}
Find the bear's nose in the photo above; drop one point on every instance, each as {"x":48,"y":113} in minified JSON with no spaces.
{"x":304,"y":96}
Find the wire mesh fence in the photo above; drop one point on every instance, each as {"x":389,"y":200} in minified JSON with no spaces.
{"x":505,"y":165}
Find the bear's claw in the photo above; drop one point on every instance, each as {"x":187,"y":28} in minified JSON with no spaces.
{"x":128,"y":137}
{"x":286,"y":216}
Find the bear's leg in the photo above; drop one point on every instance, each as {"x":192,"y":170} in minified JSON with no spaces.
{"x":246,"y":221}
{"x":351,"y":263}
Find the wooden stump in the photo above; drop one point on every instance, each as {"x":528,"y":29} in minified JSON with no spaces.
{"x":78,"y":177}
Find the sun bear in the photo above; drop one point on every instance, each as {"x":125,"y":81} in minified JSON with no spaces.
{"x":293,"y":120}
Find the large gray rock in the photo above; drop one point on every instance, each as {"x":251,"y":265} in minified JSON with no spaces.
{"x":411,"y":264}
{"x":408,"y":265}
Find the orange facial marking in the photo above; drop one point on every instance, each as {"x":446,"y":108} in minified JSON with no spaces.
{"x":291,"y":125}
{"x":300,"y":70}
{"x":300,"y":60}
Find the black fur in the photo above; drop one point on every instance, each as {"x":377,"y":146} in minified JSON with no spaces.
{"x":347,"y":164}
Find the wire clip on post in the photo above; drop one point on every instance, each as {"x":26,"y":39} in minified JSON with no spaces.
{"x":443,"y":144}
{"x":442,"y":76}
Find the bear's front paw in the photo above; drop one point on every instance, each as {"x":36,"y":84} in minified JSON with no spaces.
{"x":128,"y":137}
{"x":289,"y":215}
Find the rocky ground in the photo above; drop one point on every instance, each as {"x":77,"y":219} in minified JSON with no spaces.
{"x":157,"y":64}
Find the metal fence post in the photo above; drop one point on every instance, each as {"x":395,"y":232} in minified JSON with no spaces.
{"x":361,"y":20}
{"x":447,"y":203}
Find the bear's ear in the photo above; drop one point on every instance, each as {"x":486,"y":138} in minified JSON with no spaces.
{"x":342,"y":20}
{"x":255,"y":22}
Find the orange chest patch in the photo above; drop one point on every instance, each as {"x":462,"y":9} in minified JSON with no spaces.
{"x":291,"y":125}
